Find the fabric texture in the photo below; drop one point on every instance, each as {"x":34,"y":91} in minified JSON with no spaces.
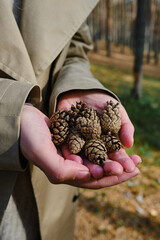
{"x":20,"y":221}
{"x":40,"y":60}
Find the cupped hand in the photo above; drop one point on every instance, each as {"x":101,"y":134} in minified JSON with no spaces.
{"x":118,"y":163}
{"x":63,"y":167}
{"x":37,"y":147}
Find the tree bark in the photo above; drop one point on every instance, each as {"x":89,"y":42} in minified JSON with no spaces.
{"x":149,"y":28}
{"x":139,"y":48}
{"x":95,"y":30}
{"x":123,"y":26}
{"x":156,"y":38}
{"x":109,"y":27}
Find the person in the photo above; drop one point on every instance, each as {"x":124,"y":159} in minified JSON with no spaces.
{"x":44,"y":67}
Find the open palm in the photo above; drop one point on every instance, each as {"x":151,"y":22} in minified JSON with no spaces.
{"x":63,"y":167}
{"x":117,"y":162}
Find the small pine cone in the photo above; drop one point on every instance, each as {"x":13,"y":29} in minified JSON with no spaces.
{"x":75,"y":112}
{"x":95,"y":151}
{"x":59,"y":131}
{"x":90,"y":113}
{"x":90,"y":129}
{"x":81,"y":110}
{"x":111,"y":119}
{"x":111,"y":142}
{"x":75,"y":142}
{"x":63,"y":114}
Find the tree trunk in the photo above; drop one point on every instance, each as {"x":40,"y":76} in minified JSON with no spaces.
{"x":133,"y":18}
{"x":95,"y":30}
{"x":137,"y":90}
{"x":156,"y":35}
{"x":139,"y":48}
{"x":149,"y":27}
{"x":123,"y":27}
{"x":109,"y":27}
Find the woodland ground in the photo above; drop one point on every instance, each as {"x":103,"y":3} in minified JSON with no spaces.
{"x":131,"y":210}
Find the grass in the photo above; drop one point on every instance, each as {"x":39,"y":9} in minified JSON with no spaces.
{"x":144,"y":113}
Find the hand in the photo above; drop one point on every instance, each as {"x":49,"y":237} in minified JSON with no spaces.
{"x":117,"y":162}
{"x":37,"y":147}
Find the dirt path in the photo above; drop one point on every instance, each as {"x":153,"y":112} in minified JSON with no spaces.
{"x":123,"y":61}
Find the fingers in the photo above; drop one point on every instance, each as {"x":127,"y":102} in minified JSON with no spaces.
{"x":136,"y":159}
{"x":106,"y":181}
{"x":122,"y":158}
{"x":127,"y":130}
{"x":59,"y":170}
{"x":67,"y":155}
{"x":112,"y":168}
{"x":109,"y":168}
{"x":95,"y":170}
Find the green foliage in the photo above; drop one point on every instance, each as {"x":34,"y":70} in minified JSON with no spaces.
{"x":144,"y":113}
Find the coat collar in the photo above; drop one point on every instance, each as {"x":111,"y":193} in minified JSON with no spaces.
{"x":14,"y":58}
{"x":45,"y":29}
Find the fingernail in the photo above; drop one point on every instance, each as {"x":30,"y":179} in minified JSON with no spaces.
{"x":97,"y":174}
{"x":114,"y":173}
{"x":140,"y":160}
{"x":130,"y":170}
{"x":82,"y":175}
{"x":137,"y":171}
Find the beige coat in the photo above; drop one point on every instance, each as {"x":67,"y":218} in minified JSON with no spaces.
{"x":48,"y":34}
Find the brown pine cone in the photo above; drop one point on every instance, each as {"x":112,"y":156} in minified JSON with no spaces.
{"x":63,"y":114}
{"x":81,"y":110}
{"x":95,"y":151}
{"x":59,"y":131}
{"x":90,"y":114}
{"x":75,"y":112}
{"x":90,"y":129}
{"x":75,"y":142}
{"x":111,"y":142}
{"x":111,"y":119}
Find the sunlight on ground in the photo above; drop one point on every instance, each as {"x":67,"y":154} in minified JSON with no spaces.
{"x":144,"y":113}
{"x":131,"y":210}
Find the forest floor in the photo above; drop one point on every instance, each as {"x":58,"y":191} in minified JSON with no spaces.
{"x":131,"y":210}
{"x":123,"y":58}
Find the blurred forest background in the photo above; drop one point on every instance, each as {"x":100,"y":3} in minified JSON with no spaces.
{"x":126,"y":59}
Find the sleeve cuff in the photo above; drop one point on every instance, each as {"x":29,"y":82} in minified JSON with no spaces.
{"x":13,"y":95}
{"x":75,"y":76}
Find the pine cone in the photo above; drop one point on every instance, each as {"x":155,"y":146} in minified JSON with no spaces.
{"x":81,"y":110}
{"x":75,"y":142}
{"x":63,"y":114}
{"x":111,"y":142}
{"x":75,"y":112}
{"x":95,"y":151}
{"x":59,"y":130}
{"x":111,"y":119}
{"x":90,"y":129}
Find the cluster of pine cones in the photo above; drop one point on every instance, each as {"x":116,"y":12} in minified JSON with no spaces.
{"x":85,"y":130}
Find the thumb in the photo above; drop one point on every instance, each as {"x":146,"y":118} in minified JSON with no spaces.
{"x":59,"y":170}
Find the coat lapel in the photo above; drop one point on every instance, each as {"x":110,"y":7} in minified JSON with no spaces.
{"x":48,"y":25}
{"x":14,"y":58}
{"x":45,"y":29}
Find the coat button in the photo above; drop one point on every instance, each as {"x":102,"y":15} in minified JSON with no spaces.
{"x":75,"y":197}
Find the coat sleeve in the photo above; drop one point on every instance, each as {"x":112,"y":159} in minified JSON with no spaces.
{"x":75,"y":73}
{"x":13,"y":95}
